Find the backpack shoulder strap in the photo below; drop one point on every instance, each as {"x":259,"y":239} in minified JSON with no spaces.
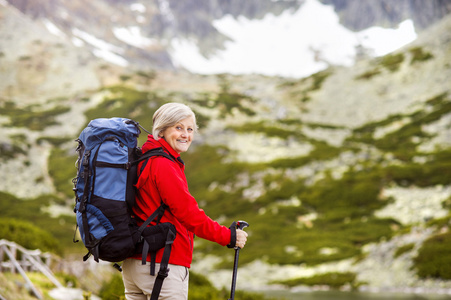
{"x":153,"y":152}
{"x":158,"y":213}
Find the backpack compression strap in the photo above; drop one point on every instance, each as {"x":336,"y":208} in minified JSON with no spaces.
{"x":164,"y":270}
{"x":169,"y":240}
{"x":90,"y":241}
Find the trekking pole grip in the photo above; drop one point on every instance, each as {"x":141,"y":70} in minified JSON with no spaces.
{"x":241,"y":225}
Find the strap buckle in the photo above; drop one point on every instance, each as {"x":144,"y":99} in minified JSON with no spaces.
{"x":162,"y":274}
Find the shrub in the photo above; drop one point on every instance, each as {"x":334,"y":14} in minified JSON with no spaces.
{"x":433,"y":259}
{"x":392,"y":61}
{"x":418,"y":55}
{"x":113,"y":289}
{"x":28,"y":235}
{"x":403,"y":249}
{"x":368,"y":74}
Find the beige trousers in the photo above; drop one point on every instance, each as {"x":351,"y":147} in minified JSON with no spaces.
{"x":139,"y":283}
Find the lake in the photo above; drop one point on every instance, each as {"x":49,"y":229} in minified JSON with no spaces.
{"x":336,"y":295}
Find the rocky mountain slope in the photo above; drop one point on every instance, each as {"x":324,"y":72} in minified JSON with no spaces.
{"x":280,"y":148}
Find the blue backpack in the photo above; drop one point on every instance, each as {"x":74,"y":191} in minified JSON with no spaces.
{"x":107,"y":163}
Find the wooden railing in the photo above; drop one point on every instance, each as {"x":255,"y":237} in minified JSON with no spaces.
{"x":27,"y":261}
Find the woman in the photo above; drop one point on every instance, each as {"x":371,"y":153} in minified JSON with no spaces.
{"x":174,"y":125}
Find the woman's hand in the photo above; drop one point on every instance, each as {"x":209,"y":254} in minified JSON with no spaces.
{"x":241,"y":238}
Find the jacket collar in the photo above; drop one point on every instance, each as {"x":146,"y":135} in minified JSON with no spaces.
{"x":152,"y":144}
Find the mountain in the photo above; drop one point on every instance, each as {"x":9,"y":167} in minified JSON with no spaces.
{"x":386,"y":13}
{"x":286,"y":38}
{"x":341,"y":173}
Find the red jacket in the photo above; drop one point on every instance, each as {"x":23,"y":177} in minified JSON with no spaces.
{"x":164,"y":180}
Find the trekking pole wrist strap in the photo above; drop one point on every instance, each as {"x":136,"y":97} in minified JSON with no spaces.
{"x":232,"y":236}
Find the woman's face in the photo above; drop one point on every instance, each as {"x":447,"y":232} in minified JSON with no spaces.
{"x":180,"y":136}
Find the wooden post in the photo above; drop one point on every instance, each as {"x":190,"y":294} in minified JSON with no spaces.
{"x":22,"y":272}
{"x":13,"y":253}
{"x":2,"y":255}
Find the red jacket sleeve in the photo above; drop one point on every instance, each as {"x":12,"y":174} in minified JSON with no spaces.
{"x":173,"y":188}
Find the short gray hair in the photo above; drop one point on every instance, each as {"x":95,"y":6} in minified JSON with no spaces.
{"x":170,"y":114}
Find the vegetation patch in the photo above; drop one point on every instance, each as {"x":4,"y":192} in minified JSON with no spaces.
{"x":309,"y":84}
{"x":419,"y":55}
{"x":62,"y":169}
{"x":9,"y":151}
{"x":433,"y":258}
{"x":392,"y":62}
{"x":368,"y":74}
{"x":270,"y":131}
{"x":227,"y":101}
{"x":31,"y":117}
{"x":18,"y":146}
{"x":321,"y":151}
{"x":333,"y":279}
{"x":204,"y":166}
{"x":28,"y":235}
{"x":404,"y":249}
{"x":319,"y":78}
{"x":146,"y":77}
{"x":54,"y":141}
{"x":435,"y":172}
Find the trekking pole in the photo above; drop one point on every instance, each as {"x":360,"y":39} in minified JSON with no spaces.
{"x":239,"y":225}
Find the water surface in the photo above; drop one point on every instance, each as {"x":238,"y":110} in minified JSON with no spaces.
{"x":336,"y":295}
